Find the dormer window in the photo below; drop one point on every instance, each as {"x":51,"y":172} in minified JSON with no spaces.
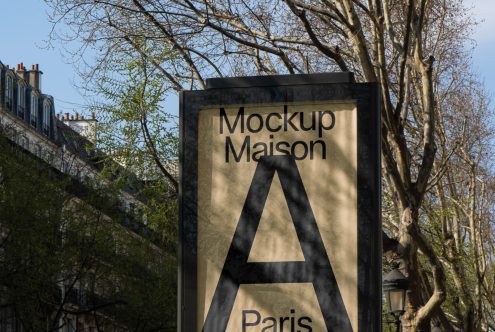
{"x":21,"y":98}
{"x":46,"y":117}
{"x":9,"y":91}
{"x":34,"y":110}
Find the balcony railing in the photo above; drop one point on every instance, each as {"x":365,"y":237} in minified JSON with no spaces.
{"x":8,"y":104}
{"x":85,"y":300}
{"x":46,"y":129}
{"x":20,"y":111}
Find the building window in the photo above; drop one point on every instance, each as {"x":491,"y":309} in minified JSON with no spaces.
{"x":21,"y":98}
{"x":46,"y":118}
{"x":7,"y":319}
{"x":34,"y":110}
{"x":9,"y":91}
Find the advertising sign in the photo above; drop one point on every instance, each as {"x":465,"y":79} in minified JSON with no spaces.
{"x":280,"y":225}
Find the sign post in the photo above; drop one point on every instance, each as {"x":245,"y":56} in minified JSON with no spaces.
{"x":280,"y":205}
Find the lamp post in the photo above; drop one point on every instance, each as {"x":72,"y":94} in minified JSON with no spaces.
{"x":395,"y":286}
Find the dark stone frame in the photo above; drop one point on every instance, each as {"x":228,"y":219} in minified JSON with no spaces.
{"x":286,"y":89}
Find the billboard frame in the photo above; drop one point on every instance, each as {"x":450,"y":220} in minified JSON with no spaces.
{"x":286,"y":89}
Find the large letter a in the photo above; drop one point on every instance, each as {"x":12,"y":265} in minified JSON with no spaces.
{"x":315,"y":268}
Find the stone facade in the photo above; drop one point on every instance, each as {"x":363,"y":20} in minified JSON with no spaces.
{"x":66,"y":144}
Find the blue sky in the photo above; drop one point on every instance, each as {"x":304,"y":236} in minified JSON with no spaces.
{"x":23,"y":42}
{"x":484,"y":53}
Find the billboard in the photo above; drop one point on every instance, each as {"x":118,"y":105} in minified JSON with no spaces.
{"x":280,"y":226}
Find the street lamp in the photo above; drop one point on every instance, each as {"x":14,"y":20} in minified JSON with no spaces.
{"x":395,"y":286}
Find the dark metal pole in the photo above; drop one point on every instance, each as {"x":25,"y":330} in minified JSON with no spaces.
{"x":397,"y":323}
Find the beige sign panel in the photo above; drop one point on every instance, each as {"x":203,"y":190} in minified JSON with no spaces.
{"x":235,"y":145}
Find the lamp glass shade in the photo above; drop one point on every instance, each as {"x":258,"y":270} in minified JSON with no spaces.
{"x":396,"y":299}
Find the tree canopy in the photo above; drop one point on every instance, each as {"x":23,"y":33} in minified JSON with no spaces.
{"x":69,"y":256}
{"x":436,"y":152}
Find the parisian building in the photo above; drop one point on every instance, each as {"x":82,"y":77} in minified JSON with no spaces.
{"x":65,"y":143}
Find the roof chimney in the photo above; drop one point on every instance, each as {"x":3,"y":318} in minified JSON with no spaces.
{"x":35,"y":77}
{"x":21,"y":71}
{"x":86,"y":127}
